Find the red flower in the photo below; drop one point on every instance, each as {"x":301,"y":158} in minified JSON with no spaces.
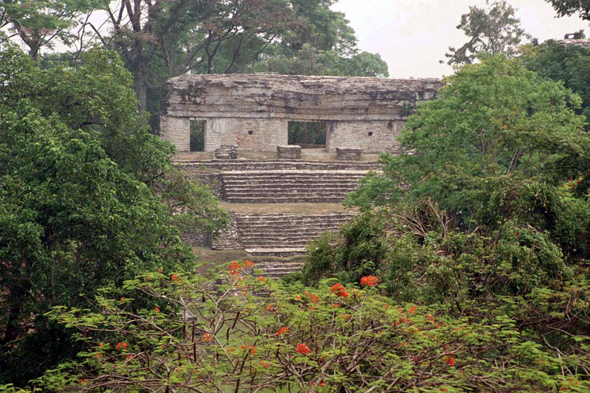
{"x":451,"y":361}
{"x":264,"y":364}
{"x":339,"y":290}
{"x":157,"y":309}
{"x":283,"y":330}
{"x":121,"y":345}
{"x":206,"y":337}
{"x":413,"y":309}
{"x":160,"y":271}
{"x":173,"y":277}
{"x":369,"y":281}
{"x":248,"y":263}
{"x":303,"y":349}
{"x":315,"y":299}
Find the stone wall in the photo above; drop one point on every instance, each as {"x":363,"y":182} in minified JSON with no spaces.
{"x":253,"y":111}
{"x":248,"y":134}
{"x":370,"y":136}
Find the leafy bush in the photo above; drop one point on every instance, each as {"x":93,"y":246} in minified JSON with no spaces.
{"x":218,"y":337}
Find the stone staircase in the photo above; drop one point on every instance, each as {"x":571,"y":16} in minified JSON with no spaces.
{"x":290,"y":186}
{"x":284,"y":234}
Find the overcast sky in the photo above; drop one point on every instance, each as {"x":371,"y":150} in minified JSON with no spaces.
{"x":413,"y":35}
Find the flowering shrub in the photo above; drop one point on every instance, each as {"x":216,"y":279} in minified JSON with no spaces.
{"x":219,"y":338}
{"x":369,"y":281}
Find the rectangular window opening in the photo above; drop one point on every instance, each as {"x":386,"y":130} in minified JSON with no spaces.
{"x":198,"y":135}
{"x":308,"y":135}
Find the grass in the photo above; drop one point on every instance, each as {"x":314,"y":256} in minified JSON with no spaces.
{"x":217,"y":258}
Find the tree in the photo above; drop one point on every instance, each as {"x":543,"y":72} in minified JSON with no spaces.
{"x":493,"y":30}
{"x":87,"y":197}
{"x":38,"y":23}
{"x":569,"y":64}
{"x":188,"y":34}
{"x":570,"y":7}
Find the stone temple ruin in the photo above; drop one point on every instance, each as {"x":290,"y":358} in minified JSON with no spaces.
{"x":253,"y":111}
{"x":237,"y":113}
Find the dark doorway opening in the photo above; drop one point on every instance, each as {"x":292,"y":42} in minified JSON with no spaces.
{"x":308,"y":135}
{"x":198,"y":135}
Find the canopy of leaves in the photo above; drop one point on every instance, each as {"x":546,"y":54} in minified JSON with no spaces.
{"x":38,"y":23}
{"x":87,"y":197}
{"x":493,"y":30}
{"x":569,"y":64}
{"x":570,"y":7}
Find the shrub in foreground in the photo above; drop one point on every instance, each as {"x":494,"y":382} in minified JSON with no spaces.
{"x":206,"y":337}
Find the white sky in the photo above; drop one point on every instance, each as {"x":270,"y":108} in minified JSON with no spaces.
{"x":413,"y":35}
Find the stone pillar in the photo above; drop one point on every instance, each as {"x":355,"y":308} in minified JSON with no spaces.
{"x":176,"y":130}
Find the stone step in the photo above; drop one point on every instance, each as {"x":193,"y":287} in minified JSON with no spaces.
{"x":279,"y":251}
{"x":286,"y":200}
{"x":292,"y":233}
{"x":294,"y":194}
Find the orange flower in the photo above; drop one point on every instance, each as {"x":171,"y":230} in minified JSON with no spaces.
{"x":413,"y":309}
{"x":97,"y":355}
{"x":121,"y":345}
{"x":253,"y":350}
{"x":173,"y":277}
{"x":369,"y":281}
{"x":147,"y":278}
{"x":206,"y":337}
{"x":157,"y":309}
{"x":451,"y":361}
{"x":100,"y":345}
{"x":264,"y":364}
{"x":248,"y":263}
{"x":339,"y":290}
{"x":122,"y":299}
{"x":160,"y":271}
{"x":303,"y":349}
{"x":283,"y":330}
{"x":315,"y":299}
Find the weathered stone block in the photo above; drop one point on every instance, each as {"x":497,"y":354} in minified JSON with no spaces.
{"x":289,"y":152}
{"x":348,"y":154}
{"x":227,"y":152}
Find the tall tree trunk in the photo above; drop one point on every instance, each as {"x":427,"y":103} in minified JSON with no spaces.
{"x":141,"y":88}
{"x":140,"y":75}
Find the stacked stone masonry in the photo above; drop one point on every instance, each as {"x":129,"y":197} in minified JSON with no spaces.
{"x":254,"y":110}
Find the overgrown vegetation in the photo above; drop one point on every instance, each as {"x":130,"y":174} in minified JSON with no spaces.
{"x":487,"y":214}
{"x":88,"y":197}
{"x":207,"y":337}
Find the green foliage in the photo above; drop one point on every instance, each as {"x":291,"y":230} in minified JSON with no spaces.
{"x":487,"y":215}
{"x":87,"y":197}
{"x":224,"y":338}
{"x":570,"y":7}
{"x":569,"y":64}
{"x":494,"y":30}
{"x":495,"y":147}
{"x":359,"y":251}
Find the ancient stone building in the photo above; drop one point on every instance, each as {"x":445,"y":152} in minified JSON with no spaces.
{"x":254,"y":111}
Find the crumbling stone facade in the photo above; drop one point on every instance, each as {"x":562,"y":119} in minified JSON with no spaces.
{"x":253,"y":110}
